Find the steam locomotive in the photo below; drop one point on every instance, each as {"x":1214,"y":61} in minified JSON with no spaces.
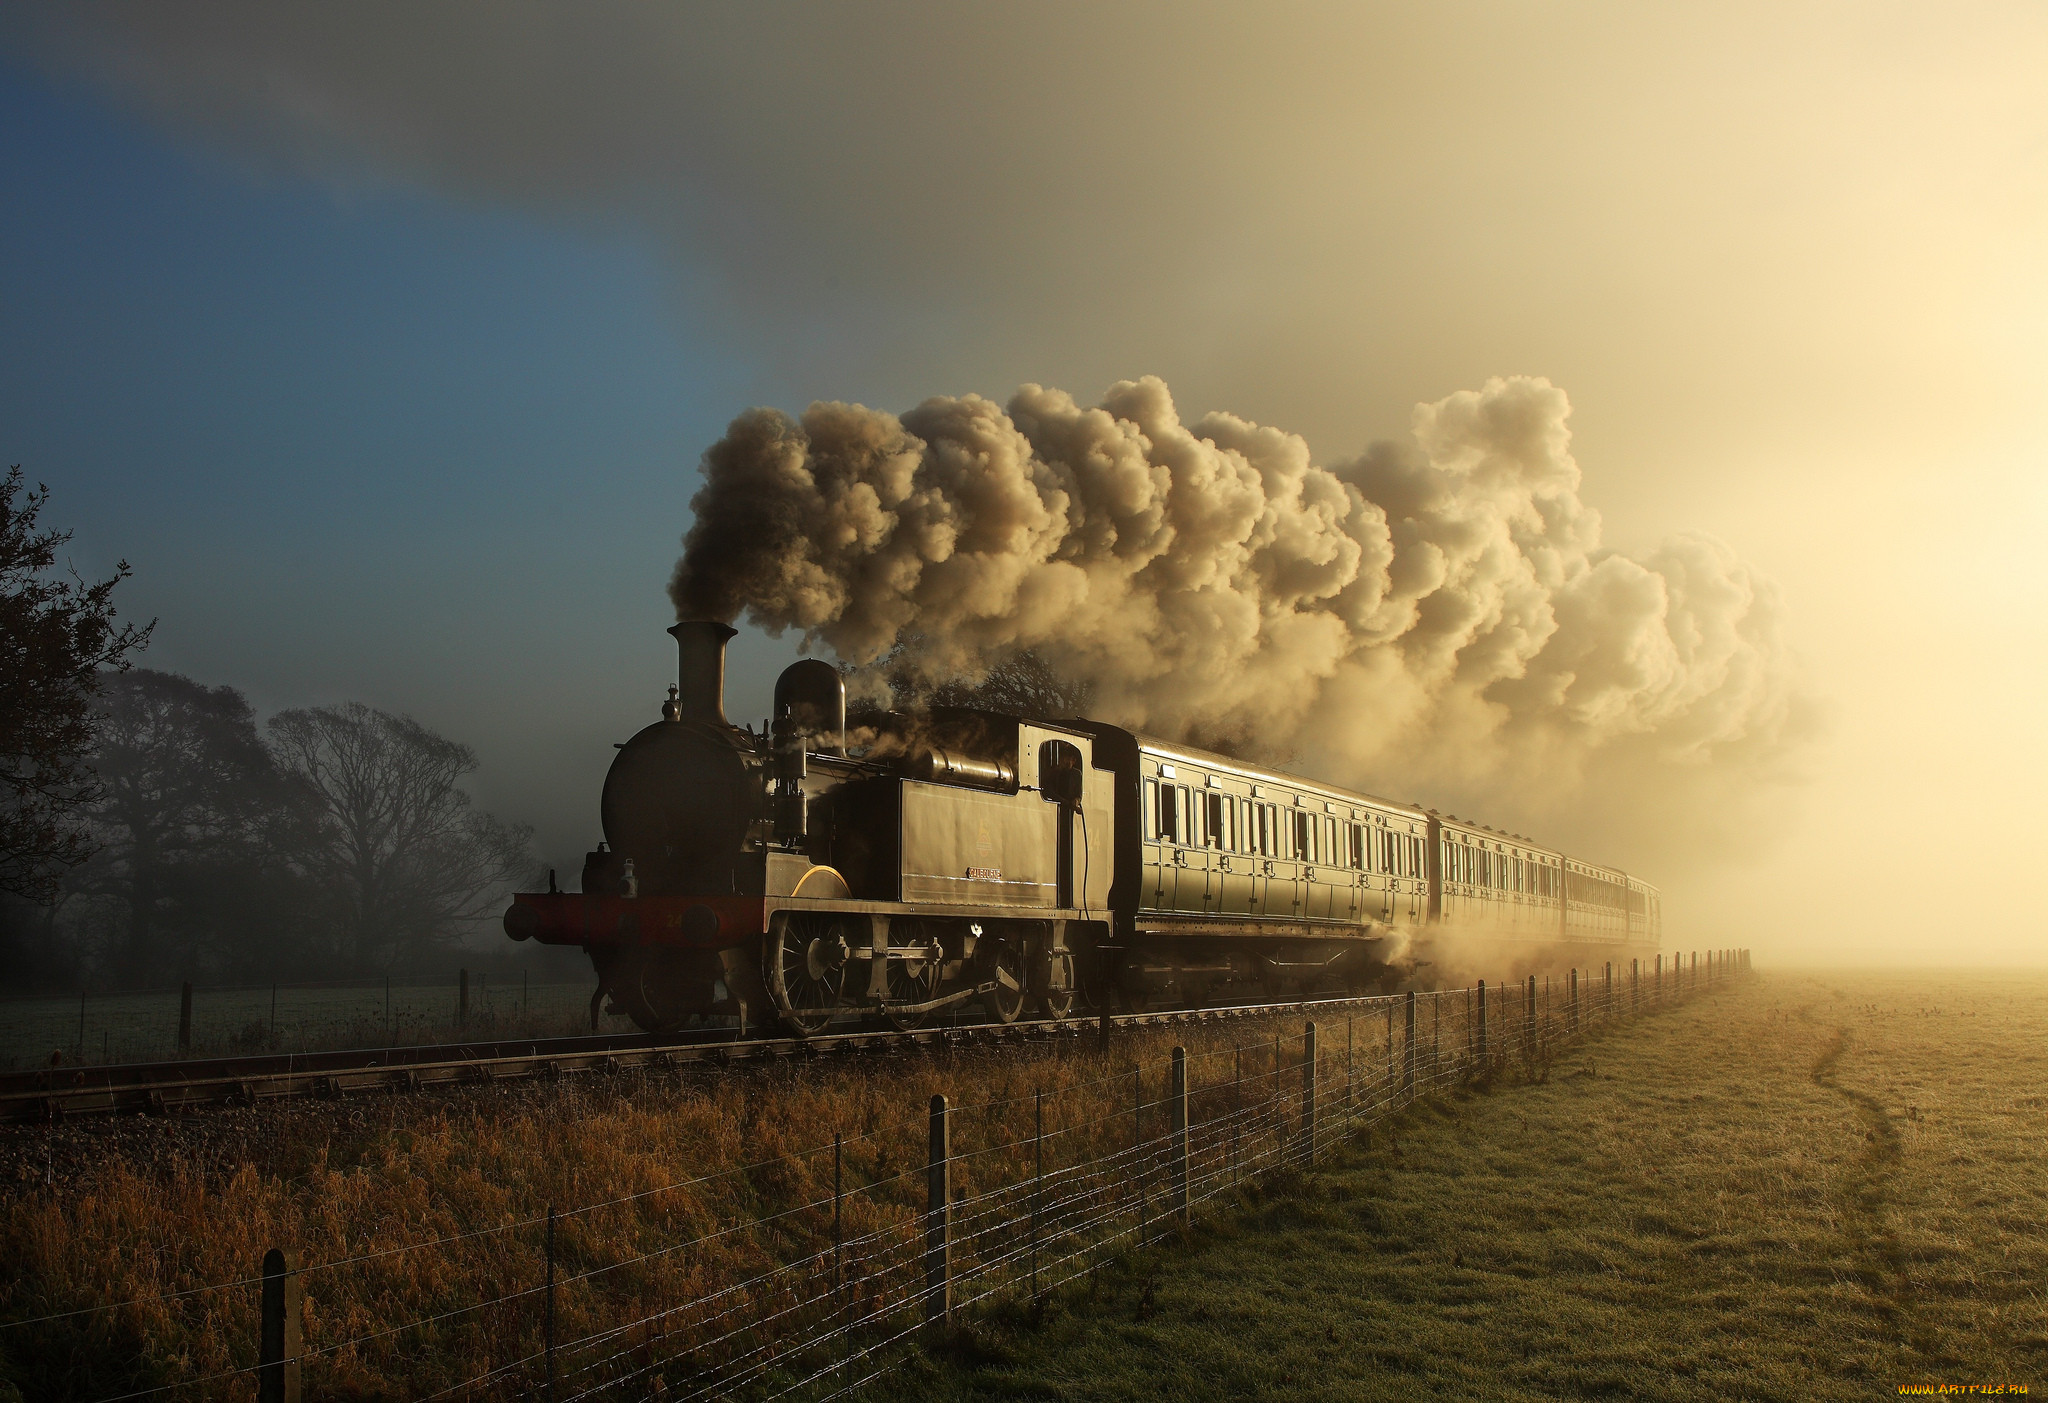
{"x":967,"y":857}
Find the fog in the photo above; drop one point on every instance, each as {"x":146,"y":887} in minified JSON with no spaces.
{"x":1784,"y":264}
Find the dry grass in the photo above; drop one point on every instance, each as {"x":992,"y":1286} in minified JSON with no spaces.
{"x":1800,"y":1187}
{"x":736,"y":1165}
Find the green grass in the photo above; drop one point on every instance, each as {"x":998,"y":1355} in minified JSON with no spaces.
{"x":1802,"y":1187}
{"x":143,"y":1027}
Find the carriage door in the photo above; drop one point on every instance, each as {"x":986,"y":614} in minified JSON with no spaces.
{"x":1060,"y":778}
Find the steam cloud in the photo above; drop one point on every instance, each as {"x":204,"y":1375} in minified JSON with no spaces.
{"x":1438,"y":615}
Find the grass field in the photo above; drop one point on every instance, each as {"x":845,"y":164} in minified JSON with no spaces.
{"x":1807,"y":1186}
{"x":143,"y":1027}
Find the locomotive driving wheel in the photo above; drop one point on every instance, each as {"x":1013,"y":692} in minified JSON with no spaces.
{"x":806,"y":971}
{"x":1006,"y":967}
{"x":1059,"y":1004}
{"x":911,"y":981}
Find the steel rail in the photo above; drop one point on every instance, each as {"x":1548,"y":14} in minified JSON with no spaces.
{"x":52,"y":1094}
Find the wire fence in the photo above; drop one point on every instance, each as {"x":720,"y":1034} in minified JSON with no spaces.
{"x":207,"y":1021}
{"x":809,"y":1274}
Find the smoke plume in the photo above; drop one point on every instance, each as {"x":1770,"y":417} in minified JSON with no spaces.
{"x":1438,"y":615}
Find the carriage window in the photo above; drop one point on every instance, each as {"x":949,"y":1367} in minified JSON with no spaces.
{"x":1303,"y":843}
{"x":1357,"y":853}
{"x":1219,"y":812}
{"x":1169,"y":816}
{"x":1191,"y":819}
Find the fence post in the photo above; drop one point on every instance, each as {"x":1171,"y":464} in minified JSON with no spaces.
{"x":1529,"y":1018}
{"x":1177,"y":1108}
{"x":551,"y":1304}
{"x":1037,"y":1178}
{"x":1408,"y":1046}
{"x":938,"y":1225}
{"x":277,"y":1371}
{"x":1138,"y":1165}
{"x":1350,"y":1068}
{"x":1308,"y":1093}
{"x":1635,"y":986}
{"x":462,"y":1001}
{"x":1236,"y":1103}
{"x":1482,"y":1024}
{"x":184,"y":1016}
{"x":1102,"y":1028}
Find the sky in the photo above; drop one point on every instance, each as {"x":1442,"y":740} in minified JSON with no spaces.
{"x":384,"y":342}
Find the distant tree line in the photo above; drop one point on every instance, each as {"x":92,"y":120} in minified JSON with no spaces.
{"x":150,"y":831}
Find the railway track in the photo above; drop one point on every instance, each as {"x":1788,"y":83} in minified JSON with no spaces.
{"x":53,"y":1094}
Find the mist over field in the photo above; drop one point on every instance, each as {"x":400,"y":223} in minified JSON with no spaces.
{"x":387,"y":342}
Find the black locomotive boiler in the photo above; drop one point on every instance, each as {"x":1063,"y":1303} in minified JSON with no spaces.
{"x":965,"y":856}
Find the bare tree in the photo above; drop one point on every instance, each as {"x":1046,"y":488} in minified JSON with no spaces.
{"x":55,"y":637}
{"x":1021,"y":684}
{"x":403,"y":859}
{"x":197,"y":827}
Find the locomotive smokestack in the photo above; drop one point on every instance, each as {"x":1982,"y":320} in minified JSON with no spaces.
{"x":700,"y":669}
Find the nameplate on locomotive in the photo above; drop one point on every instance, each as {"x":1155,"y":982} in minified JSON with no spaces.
{"x":984,"y":874}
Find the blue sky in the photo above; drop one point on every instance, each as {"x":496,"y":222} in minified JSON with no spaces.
{"x":358,"y":444}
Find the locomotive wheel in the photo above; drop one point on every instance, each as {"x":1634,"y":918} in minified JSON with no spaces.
{"x":1006,"y":1001}
{"x":656,"y":986}
{"x":911,"y":982}
{"x":1059,"y":1004}
{"x":806,"y":971}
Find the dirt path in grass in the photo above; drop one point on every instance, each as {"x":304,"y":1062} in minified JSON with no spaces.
{"x":1862,"y":1193}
